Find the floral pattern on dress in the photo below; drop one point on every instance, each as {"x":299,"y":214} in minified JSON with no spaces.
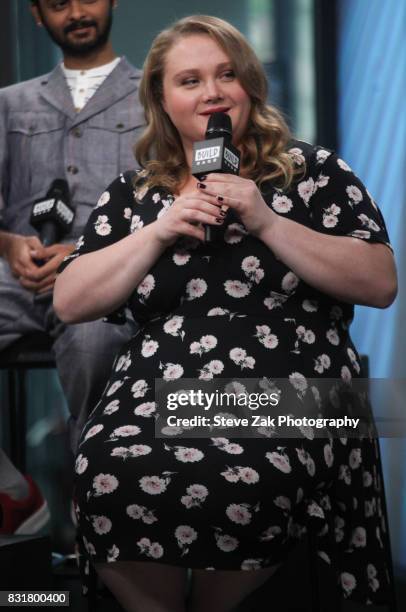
{"x":233,"y":311}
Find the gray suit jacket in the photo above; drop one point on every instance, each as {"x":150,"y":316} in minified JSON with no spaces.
{"x":42,"y":138}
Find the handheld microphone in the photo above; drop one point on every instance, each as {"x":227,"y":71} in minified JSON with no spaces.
{"x":52,"y":216}
{"x":216,"y":154}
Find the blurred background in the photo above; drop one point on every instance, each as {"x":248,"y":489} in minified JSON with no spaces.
{"x":337,"y":69}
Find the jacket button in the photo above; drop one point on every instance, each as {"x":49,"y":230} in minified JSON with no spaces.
{"x":120,"y":126}
{"x":76,"y":132}
{"x":73,"y":169}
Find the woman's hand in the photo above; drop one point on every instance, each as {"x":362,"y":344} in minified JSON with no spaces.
{"x":243,"y":196}
{"x":186,"y":217}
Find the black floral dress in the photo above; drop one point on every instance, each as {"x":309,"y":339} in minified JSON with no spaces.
{"x":233,"y":311}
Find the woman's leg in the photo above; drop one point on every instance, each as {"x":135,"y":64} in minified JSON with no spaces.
{"x":145,"y":587}
{"x":222,"y":591}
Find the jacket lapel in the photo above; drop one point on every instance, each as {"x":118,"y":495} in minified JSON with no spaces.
{"x":56,"y":92}
{"x":123,"y":80}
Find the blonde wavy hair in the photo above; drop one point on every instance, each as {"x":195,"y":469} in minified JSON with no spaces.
{"x":263,"y":148}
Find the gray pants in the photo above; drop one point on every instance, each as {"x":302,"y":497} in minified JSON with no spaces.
{"x":84,"y":352}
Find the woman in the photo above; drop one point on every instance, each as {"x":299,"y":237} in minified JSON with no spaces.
{"x":303,"y":243}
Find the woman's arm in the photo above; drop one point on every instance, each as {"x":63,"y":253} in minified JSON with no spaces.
{"x":347,"y":268}
{"x":342,"y":266}
{"x":95,"y":284}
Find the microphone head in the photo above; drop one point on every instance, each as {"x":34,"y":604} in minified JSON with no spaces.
{"x":219,"y":124}
{"x":53,"y":214}
{"x":59,"y":189}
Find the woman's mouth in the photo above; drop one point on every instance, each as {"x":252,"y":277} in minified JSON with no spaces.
{"x":216,"y":109}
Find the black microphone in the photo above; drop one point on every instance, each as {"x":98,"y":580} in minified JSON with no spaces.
{"x":216,"y":154}
{"x":52,"y":216}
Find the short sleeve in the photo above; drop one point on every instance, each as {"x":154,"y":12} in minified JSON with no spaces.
{"x":109,"y":222}
{"x":339,"y":202}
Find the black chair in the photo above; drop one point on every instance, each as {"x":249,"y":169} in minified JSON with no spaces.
{"x":33,"y":351}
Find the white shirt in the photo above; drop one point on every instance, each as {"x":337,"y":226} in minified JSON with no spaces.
{"x":84,"y":83}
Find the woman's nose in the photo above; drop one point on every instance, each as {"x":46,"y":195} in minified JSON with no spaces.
{"x":212,"y":91}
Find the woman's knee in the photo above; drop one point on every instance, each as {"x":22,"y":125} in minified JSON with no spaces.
{"x":222,"y":591}
{"x":145,"y":587}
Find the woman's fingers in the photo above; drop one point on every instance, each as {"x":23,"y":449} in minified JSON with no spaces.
{"x":187,"y":216}
{"x":195,"y":209}
{"x":225,"y":179}
{"x":202,"y":201}
{"x":222,"y":194}
{"x":194,"y":215}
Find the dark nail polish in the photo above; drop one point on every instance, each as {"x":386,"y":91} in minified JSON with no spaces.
{"x":222,"y":213}
{"x":220,"y":198}
{"x":203,"y":177}
{"x":219,"y":220}
{"x":201,"y":186}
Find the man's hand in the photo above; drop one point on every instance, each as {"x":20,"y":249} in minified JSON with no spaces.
{"x":42,"y":279}
{"x":33,"y":264}
{"x":17,"y":250}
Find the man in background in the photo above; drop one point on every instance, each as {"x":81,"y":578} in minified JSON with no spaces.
{"x":79,"y":123}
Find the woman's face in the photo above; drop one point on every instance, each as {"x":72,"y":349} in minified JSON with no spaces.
{"x":198,"y":80}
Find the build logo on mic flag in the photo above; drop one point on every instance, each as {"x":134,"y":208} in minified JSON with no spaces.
{"x":232,"y":159}
{"x":207,"y":155}
{"x":214,"y":156}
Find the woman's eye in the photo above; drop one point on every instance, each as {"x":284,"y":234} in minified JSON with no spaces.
{"x":228,"y":75}
{"x":189,"y":81}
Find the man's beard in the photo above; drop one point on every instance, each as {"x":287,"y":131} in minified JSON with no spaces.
{"x":81,"y":49}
